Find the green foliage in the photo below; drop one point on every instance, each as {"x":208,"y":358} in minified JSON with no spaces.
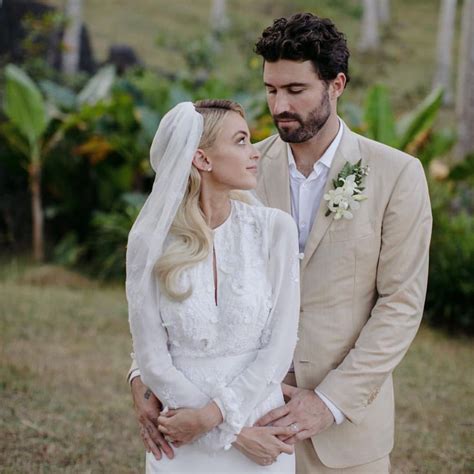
{"x":451,"y":278}
{"x":98,"y":87}
{"x":110,"y":234}
{"x":24,"y":105}
{"x":379,"y":116}
{"x":413,"y":132}
{"x":68,"y":251}
{"x":416,"y":123}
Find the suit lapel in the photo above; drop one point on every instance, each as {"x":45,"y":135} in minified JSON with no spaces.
{"x":348,"y":150}
{"x":275,"y":176}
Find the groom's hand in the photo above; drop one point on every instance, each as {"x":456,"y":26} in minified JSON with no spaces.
{"x":262,"y":444}
{"x":305,"y":413}
{"x":147,"y":409}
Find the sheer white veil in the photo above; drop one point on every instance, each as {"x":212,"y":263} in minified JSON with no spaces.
{"x":171,"y":154}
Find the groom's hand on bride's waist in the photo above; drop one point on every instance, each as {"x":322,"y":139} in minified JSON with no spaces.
{"x":147,"y":409}
{"x":305,"y":413}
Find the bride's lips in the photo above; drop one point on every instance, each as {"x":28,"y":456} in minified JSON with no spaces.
{"x":252,"y":169}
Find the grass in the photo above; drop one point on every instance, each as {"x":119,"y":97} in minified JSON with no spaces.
{"x":65,"y":405}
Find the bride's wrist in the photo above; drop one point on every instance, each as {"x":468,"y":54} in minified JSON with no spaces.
{"x":211,"y":416}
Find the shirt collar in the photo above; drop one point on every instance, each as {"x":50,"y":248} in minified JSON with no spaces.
{"x":327,"y":157}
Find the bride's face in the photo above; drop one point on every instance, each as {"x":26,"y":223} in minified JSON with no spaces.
{"x":232,"y":157}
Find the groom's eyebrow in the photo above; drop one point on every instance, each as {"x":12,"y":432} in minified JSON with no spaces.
{"x":287,"y":86}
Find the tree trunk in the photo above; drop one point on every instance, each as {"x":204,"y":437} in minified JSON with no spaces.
{"x":219,"y":22}
{"x":219,"y":19}
{"x":384,"y":11}
{"x":370,"y":39}
{"x":36,"y":207}
{"x":72,"y":37}
{"x":443,"y":74}
{"x":465,"y":92}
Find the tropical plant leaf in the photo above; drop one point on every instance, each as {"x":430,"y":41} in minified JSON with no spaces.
{"x":148,"y":119}
{"x":61,"y":96}
{"x":379,"y":117}
{"x":415,"y":123}
{"x":439,"y":143}
{"x":24,"y":104}
{"x":98,"y":87}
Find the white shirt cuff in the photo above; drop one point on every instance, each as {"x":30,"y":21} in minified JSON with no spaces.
{"x":134,"y":373}
{"x":336,"y":413}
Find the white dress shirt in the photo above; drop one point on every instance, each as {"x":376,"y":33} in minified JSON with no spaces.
{"x":306,"y":196}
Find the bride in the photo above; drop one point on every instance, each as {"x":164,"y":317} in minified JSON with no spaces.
{"x":213,"y":293}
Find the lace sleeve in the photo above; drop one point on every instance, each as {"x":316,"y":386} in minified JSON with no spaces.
{"x":150,"y":344}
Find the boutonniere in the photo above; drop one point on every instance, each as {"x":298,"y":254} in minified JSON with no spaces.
{"x":347,"y":192}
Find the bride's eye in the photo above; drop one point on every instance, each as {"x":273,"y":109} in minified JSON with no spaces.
{"x":242,"y":141}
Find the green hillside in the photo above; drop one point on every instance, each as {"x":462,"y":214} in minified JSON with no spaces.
{"x":405,"y":65}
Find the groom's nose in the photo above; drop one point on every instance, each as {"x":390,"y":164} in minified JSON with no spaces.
{"x":280,"y":104}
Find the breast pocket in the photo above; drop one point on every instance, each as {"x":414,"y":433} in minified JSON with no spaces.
{"x":350,"y":230}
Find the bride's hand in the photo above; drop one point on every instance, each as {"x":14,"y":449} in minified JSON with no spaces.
{"x":261,"y":443}
{"x":185,"y":425}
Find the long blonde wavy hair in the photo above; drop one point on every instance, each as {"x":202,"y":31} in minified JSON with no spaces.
{"x":193,"y":237}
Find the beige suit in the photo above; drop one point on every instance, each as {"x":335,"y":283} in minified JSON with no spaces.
{"x":363,"y":285}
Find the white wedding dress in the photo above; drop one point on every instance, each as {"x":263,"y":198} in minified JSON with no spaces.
{"x":236,"y":350}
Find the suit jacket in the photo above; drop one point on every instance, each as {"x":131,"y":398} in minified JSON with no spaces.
{"x":363,"y":286}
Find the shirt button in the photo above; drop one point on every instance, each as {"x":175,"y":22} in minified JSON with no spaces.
{"x":301,"y":256}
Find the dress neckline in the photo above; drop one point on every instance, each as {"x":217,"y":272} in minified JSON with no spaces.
{"x":229,"y":217}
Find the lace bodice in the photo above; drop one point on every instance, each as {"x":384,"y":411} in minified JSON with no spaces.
{"x":198,"y":327}
{"x":235,"y":352}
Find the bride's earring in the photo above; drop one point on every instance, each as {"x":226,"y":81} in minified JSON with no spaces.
{"x":210,"y":168}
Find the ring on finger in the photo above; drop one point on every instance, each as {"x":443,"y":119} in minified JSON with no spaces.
{"x":294,"y":427}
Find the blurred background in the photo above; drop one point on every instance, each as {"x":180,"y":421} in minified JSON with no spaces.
{"x":83,"y":85}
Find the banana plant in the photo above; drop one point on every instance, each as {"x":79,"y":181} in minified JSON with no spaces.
{"x":412,"y":132}
{"x":28,"y":130}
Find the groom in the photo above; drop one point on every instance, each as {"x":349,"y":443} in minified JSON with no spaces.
{"x":364,"y":255}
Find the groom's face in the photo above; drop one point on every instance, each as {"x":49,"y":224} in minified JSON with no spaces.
{"x":298,"y":99}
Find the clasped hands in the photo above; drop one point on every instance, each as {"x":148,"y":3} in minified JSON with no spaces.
{"x":185,"y":425}
{"x":303,"y":416}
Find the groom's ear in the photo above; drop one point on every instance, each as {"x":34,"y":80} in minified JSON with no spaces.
{"x":201,"y":161}
{"x":337,"y":85}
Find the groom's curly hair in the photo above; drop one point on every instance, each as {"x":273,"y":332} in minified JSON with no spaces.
{"x":304,"y":37}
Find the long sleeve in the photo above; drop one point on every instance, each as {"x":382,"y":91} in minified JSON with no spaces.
{"x":401,"y":285}
{"x":157,"y":371}
{"x":237,"y":399}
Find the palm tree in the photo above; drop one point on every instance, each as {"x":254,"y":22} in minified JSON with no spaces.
{"x":370,"y":39}
{"x":72,"y":37}
{"x":384,"y":11}
{"x":443,"y":74}
{"x":465,"y":89}
{"x":219,"y":22}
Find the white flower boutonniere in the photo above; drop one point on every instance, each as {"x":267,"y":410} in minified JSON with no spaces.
{"x":347,"y":192}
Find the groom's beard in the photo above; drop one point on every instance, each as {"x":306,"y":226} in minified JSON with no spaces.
{"x":308,"y":128}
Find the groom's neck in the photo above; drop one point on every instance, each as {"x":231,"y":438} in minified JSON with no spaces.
{"x":307,"y":153}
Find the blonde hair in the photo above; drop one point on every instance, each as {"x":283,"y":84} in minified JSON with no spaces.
{"x":193,"y":236}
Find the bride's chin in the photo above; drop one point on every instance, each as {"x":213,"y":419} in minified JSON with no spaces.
{"x":249,"y":185}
